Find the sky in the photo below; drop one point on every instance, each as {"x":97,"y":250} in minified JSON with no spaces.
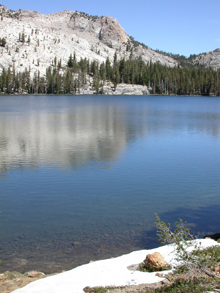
{"x":175,"y":26}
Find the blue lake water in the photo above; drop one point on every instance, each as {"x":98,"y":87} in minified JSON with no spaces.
{"x":81,"y":177}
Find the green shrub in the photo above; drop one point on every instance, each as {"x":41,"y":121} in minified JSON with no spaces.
{"x":192,"y":261}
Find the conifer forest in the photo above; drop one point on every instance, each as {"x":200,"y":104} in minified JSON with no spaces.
{"x":70,"y":78}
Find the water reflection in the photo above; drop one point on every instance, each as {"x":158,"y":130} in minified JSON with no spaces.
{"x":35,"y":133}
{"x":71,"y":138}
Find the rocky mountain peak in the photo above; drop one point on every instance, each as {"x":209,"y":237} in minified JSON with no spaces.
{"x":105,"y":28}
{"x":217,"y":51}
{"x":209,"y":59}
{"x":33,"y":40}
{"x":112,"y":31}
{"x":19,"y":14}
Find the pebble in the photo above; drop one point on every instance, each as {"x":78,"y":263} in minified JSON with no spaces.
{"x":2,"y":276}
{"x":35,"y":274}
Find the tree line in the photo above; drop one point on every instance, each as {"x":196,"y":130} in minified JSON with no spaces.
{"x":76,"y":75}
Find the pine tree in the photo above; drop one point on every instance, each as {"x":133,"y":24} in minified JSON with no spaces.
{"x":2,"y":42}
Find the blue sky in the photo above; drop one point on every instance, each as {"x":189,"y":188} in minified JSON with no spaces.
{"x":179,"y":26}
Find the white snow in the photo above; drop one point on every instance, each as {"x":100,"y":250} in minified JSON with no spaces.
{"x":109,"y":272}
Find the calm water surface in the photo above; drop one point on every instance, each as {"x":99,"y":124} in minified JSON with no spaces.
{"x":82,"y":176}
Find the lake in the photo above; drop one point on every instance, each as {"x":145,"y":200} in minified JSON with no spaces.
{"x":81,"y":177}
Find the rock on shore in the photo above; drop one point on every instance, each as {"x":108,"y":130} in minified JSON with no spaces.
{"x":121,"y":89}
{"x":127,"y":89}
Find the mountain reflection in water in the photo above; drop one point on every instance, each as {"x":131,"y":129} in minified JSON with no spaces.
{"x":80,"y":135}
{"x":70,"y":138}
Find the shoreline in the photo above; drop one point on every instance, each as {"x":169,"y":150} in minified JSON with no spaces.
{"x":91,"y":94}
{"x":109,"y":272}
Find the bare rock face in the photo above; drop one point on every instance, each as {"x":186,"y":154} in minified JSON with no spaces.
{"x":210,"y":59}
{"x":34,"y":40}
{"x":82,"y":22}
{"x":121,"y":89}
{"x":126,"y":89}
{"x":111,"y":31}
{"x":155,"y":262}
{"x":106,"y":29}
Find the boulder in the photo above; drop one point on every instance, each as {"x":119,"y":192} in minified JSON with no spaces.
{"x":155,"y":262}
{"x":126,"y":89}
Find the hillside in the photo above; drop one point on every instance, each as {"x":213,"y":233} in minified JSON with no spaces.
{"x":35,"y":41}
{"x":210,"y":59}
